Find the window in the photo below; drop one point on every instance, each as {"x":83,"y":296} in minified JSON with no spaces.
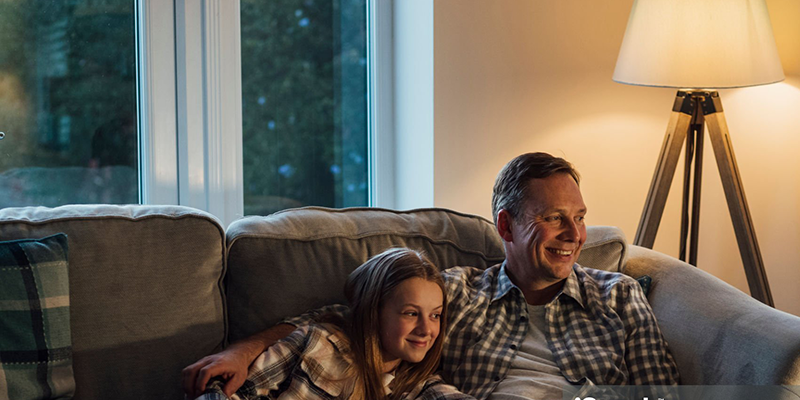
{"x":304,"y":104}
{"x":68,"y":102}
{"x":216,"y":104}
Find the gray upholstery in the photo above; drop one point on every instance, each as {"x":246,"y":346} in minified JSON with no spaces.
{"x":718,"y":335}
{"x":298,"y":259}
{"x":145,"y":292}
{"x":147,"y":298}
{"x":605,"y":248}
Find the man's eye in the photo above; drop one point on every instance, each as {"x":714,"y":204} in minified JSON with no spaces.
{"x":580,"y":219}
{"x":553,"y":218}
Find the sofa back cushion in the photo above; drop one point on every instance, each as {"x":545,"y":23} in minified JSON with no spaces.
{"x":145,"y":292}
{"x":295,"y":260}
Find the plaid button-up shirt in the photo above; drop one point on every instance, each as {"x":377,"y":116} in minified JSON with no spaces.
{"x":600,"y":329}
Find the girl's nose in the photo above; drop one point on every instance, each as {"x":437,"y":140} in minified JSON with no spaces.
{"x":424,"y":327}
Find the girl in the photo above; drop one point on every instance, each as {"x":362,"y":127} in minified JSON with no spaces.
{"x":388,"y":348}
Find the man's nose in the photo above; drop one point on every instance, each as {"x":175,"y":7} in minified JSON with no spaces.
{"x":572,"y":232}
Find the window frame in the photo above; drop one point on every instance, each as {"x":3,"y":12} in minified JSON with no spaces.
{"x":191,"y":105}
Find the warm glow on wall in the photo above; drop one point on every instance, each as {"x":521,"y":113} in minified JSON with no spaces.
{"x":536,"y":75}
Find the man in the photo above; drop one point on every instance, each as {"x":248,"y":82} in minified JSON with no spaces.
{"x":533,"y":325}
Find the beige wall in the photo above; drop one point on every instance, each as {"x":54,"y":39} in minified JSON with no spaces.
{"x":513,"y":76}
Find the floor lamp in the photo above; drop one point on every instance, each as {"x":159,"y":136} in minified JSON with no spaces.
{"x":698,"y":46}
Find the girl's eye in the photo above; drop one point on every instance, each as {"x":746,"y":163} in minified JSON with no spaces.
{"x":437,"y":316}
{"x":410,"y":313}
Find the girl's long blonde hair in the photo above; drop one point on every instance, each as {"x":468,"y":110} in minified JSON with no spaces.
{"x":367,"y":288}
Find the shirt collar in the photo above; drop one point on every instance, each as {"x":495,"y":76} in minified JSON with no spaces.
{"x":504,"y":283}
{"x":571,"y":287}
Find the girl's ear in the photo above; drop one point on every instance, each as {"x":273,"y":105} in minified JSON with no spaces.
{"x":504,"y":225}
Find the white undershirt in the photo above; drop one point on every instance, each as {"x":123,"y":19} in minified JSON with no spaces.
{"x":534,"y":373}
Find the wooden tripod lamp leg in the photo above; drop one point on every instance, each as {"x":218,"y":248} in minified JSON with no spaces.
{"x":737,"y":203}
{"x":678,"y":126}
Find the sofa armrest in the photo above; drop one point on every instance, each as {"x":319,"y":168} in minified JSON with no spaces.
{"x":718,"y":334}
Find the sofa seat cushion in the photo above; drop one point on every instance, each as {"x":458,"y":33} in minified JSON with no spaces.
{"x":145,"y":292}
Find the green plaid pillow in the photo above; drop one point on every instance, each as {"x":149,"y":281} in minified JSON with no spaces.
{"x":35,"y":342}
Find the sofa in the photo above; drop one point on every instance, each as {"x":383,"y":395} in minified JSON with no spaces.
{"x":151,"y":289}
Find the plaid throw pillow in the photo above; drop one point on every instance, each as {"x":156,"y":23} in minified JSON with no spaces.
{"x":35,"y":342}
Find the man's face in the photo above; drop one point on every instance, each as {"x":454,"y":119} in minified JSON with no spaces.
{"x":544,"y":241}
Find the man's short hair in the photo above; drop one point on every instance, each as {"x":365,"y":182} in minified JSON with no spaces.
{"x":511,"y":185}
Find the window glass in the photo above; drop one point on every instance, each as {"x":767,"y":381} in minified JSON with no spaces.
{"x":68,"y":102}
{"x":304,"y":88}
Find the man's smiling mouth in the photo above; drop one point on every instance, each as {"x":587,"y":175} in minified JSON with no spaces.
{"x":560,"y":252}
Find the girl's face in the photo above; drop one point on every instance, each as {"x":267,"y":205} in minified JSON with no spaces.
{"x":410,"y":321}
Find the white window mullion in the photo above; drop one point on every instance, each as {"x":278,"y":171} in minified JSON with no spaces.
{"x":224,"y":134}
{"x":381,"y":107}
{"x":209,"y":104}
{"x":190,"y":104}
{"x":157,"y":116}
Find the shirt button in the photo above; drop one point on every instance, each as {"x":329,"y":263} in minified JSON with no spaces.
{"x":497,"y":379}
{"x":522,"y":318}
{"x":513,"y":347}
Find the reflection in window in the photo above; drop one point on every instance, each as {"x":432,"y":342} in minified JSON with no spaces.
{"x":68,"y":102}
{"x":304,"y":88}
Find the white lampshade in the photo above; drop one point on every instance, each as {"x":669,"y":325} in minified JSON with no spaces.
{"x":698,"y":44}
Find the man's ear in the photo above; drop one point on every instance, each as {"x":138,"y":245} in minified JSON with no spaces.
{"x":503,"y":225}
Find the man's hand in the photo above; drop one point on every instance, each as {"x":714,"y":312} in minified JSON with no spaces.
{"x":229,"y":364}
{"x":232,"y":363}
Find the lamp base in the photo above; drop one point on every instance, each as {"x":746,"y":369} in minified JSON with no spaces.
{"x":691,"y":110}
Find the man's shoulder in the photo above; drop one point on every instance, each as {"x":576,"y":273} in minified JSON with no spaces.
{"x":606,"y":291}
{"x":465,"y":284}
{"x":469,"y":275}
{"x":605,"y":281}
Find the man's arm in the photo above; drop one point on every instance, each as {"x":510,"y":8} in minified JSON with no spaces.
{"x":647,"y":356}
{"x":232,"y":363}
{"x":273,"y":367}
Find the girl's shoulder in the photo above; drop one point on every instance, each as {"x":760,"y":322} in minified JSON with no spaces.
{"x":327,"y":360}
{"x":327,"y":338}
